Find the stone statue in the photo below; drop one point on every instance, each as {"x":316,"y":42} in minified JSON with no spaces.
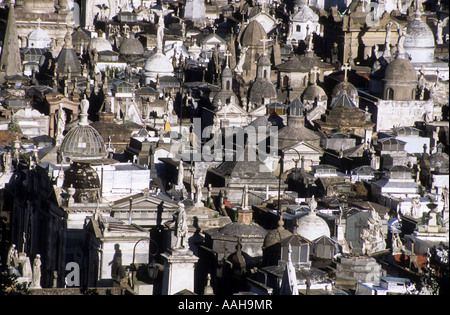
{"x":12,"y":258}
{"x":180,"y":174}
{"x":313,"y":203}
{"x":387,"y":42}
{"x":61,"y":122}
{"x":239,"y":67}
{"x":36,"y":279}
{"x":372,"y":236}
{"x":199,"y":195}
{"x":397,"y":244}
{"x":181,"y":228}
{"x":244,"y":204}
{"x":415,"y":208}
{"x":84,"y":106}
{"x":170,"y":105}
{"x":445,"y":198}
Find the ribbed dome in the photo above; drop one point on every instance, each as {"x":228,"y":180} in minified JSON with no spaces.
{"x":439,"y":159}
{"x":39,"y":39}
{"x":131,"y":47}
{"x":312,"y":226}
{"x":253,"y":34}
{"x":100,"y":44}
{"x":83,"y":142}
{"x":276,"y":236}
{"x":418,"y":35}
{"x":158,"y":64}
{"x":400,"y":70}
{"x":80,"y":175}
{"x":419,"y":42}
{"x":345,"y":87}
{"x":260,"y":89}
{"x":314,"y":91}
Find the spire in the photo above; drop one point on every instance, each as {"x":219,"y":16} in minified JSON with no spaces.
{"x":10,"y":62}
{"x":418,"y":9}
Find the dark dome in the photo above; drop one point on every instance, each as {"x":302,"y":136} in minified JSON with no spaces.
{"x":131,"y":47}
{"x":276,"y":236}
{"x":400,"y":70}
{"x":440,"y":160}
{"x":345,"y":87}
{"x":260,"y":89}
{"x":314,"y":91}
{"x":253,"y":34}
{"x":80,"y":175}
{"x":82,"y":182}
{"x":251,"y":230}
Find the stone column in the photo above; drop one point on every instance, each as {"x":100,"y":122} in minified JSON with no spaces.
{"x":179,"y":265}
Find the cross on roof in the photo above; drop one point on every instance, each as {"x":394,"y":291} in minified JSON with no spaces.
{"x":346,"y":67}
{"x":264,"y":41}
{"x":214,"y":28}
{"x":315,"y":72}
{"x":227,"y":54}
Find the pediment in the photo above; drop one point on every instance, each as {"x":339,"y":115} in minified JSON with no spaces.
{"x":305,"y":148}
{"x":145,"y":203}
{"x":231,"y":109}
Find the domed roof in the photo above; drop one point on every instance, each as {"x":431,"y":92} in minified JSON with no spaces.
{"x":260,"y":89}
{"x":345,"y":87}
{"x":39,"y":39}
{"x":83,"y":142}
{"x":276,"y":236}
{"x":131,"y":46}
{"x":100,"y":44}
{"x":253,"y":34}
{"x":80,"y":175}
{"x":418,"y":35}
{"x":264,"y":60}
{"x":251,"y":230}
{"x":314,"y":91}
{"x":158,"y":64}
{"x":400,"y":70}
{"x":439,"y":159}
{"x":311,"y":226}
{"x":226,"y":72}
{"x":224,"y":97}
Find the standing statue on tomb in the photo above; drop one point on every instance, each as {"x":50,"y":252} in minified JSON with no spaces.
{"x":170,"y":105}
{"x":181,"y":228}
{"x":373,"y":236}
{"x":13,"y":257}
{"x":445,"y":198}
{"x":415,"y":208}
{"x":244,"y":204}
{"x":199,"y":194}
{"x":239,"y":67}
{"x":397,"y":244}
{"x":36,"y":279}
{"x":180,"y":174}
{"x":313,"y":204}
{"x":60,"y":124}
